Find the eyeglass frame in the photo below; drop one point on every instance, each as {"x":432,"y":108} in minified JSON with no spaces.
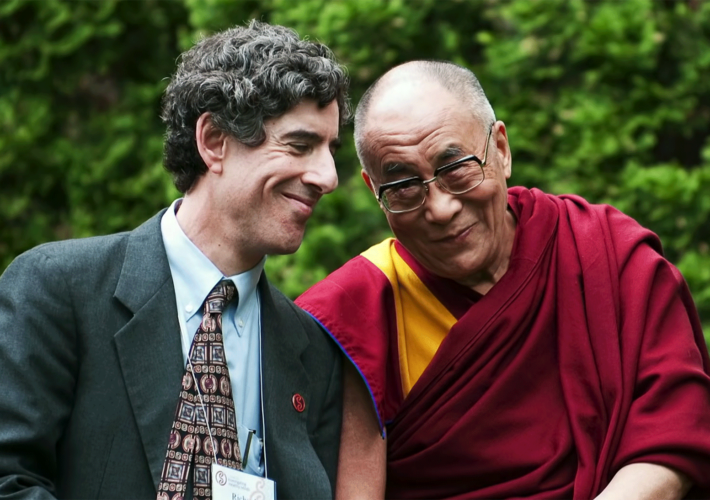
{"x":437,"y":172}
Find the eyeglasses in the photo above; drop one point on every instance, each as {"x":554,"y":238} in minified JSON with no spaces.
{"x":458,"y":177}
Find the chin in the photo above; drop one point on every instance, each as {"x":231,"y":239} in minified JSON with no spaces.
{"x":457,"y":271}
{"x":286,"y":246}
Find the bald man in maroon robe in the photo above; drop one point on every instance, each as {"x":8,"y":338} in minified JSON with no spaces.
{"x":507,"y":343}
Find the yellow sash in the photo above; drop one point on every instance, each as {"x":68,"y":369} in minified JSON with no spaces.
{"x":422,"y":321}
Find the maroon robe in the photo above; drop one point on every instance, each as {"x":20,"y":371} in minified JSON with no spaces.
{"x":586,"y":356}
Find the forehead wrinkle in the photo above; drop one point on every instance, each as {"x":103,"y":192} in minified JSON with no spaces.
{"x":404,"y":120}
{"x":412,"y":151}
{"x":416,"y":142}
{"x":382,"y":138}
{"x":397,"y":131}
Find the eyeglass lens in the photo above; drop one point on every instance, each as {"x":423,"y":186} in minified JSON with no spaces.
{"x":456,"y":179}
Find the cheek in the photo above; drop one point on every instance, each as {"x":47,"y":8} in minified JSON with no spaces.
{"x":286,"y":175}
{"x":488,"y":200}
{"x":403,"y":225}
{"x":260,"y":187}
{"x":486,"y":192}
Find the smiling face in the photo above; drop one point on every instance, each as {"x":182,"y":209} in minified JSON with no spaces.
{"x":413,"y":127}
{"x":265,"y":194}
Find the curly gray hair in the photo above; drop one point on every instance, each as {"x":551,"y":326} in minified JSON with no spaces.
{"x":243,"y":76}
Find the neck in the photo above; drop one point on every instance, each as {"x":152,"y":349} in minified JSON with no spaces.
{"x":202,"y":223}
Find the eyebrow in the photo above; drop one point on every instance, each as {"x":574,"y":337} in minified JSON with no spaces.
{"x":395,"y":168}
{"x":450,"y":152}
{"x":313,"y":137}
{"x":446,"y":154}
{"x":389,"y":170}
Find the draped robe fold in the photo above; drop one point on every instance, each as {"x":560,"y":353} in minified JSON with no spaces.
{"x":586,"y":356}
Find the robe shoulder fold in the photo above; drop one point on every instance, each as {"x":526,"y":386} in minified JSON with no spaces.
{"x":355,"y":305}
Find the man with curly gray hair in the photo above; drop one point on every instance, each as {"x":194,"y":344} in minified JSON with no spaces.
{"x":148,"y":363}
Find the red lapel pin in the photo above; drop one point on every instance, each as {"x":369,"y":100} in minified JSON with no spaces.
{"x":298,"y":403}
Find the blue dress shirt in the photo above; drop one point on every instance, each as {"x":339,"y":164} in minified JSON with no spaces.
{"x":194,"y":276}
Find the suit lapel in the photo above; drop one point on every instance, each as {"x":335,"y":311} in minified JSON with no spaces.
{"x":284,"y":340}
{"x":150,"y":353}
{"x":148,"y":346}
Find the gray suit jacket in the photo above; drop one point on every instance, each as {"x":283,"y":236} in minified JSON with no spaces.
{"x":90,"y":371}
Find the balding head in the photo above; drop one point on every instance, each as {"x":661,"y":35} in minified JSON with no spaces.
{"x":455,"y":79}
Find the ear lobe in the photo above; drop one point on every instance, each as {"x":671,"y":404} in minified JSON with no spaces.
{"x":211,"y":143}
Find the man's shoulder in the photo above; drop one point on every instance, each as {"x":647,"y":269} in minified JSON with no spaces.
{"x":597,"y":224}
{"x":576,"y":210}
{"x":293,"y":316}
{"x":79,"y":253}
{"x":286,"y":305}
{"x":586,"y":228}
{"x":83,"y":246}
{"x":64,"y":271}
{"x":83,"y":256}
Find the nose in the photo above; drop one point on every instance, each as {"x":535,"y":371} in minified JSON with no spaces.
{"x":440,"y":206}
{"x":321,"y":172}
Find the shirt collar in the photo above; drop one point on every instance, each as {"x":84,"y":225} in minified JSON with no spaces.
{"x":194,"y":275}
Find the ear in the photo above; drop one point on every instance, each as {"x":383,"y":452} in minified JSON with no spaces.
{"x":211,"y":143}
{"x":368,"y":181}
{"x":502,"y":148}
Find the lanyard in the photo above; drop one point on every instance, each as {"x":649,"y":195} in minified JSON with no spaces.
{"x":185,"y":342}
{"x":183,"y":338}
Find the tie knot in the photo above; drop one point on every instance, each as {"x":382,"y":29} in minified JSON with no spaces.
{"x":220,"y":296}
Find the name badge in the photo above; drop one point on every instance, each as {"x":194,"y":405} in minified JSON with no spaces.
{"x":230,"y":484}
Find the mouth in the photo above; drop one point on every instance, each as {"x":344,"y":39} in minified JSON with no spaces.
{"x":456,"y":236}
{"x":304,"y":204}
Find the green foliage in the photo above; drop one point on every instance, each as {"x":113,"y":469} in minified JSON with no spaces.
{"x":80,"y":136}
{"x":607,"y":99}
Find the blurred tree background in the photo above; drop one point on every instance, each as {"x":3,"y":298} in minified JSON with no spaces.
{"x":607,"y":99}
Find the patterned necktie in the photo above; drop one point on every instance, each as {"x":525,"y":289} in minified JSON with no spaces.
{"x":190,"y":441}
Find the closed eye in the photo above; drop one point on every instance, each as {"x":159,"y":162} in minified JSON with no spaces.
{"x":455,"y":170}
{"x":300,"y":147}
{"x":401,"y":186}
